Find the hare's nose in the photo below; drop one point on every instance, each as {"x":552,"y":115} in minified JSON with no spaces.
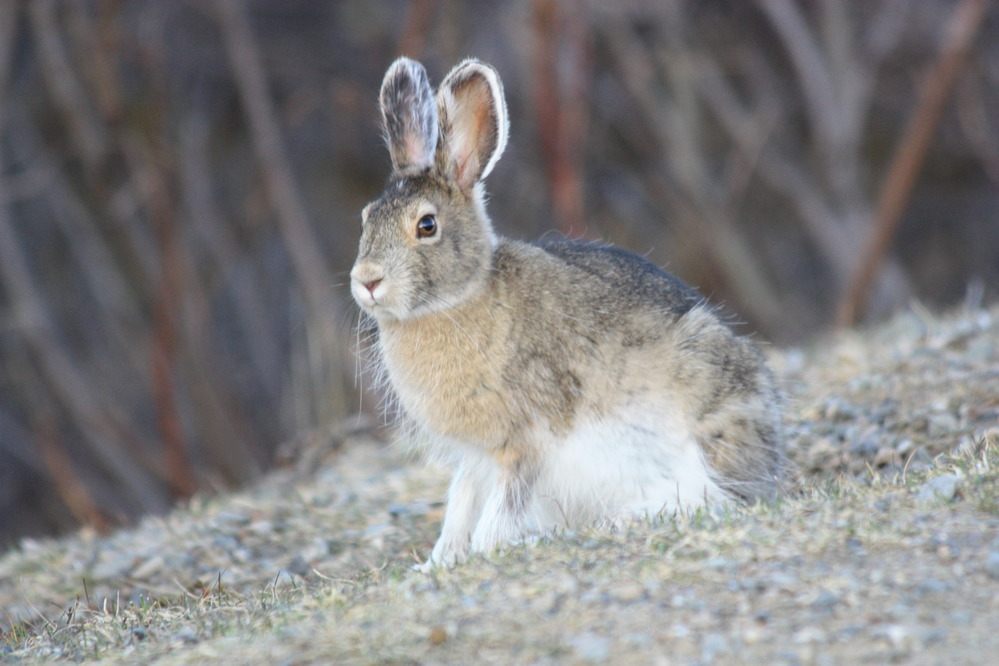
{"x":368,"y":277}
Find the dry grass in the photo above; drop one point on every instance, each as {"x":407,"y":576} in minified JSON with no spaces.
{"x":858,"y":563}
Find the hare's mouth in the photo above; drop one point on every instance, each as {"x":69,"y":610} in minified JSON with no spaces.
{"x":368,"y":286}
{"x":367,"y":296}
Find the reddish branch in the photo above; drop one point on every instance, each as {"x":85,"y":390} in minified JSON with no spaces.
{"x":163,"y":352}
{"x":910,"y":155}
{"x":417,"y":26}
{"x":561,"y":110}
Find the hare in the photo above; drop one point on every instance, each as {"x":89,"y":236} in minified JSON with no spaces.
{"x":570,"y":383}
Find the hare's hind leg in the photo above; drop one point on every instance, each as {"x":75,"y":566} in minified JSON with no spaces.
{"x":505,"y":514}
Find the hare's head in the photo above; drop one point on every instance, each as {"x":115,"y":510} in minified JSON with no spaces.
{"x":426,"y":243}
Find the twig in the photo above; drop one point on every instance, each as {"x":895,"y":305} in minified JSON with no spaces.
{"x":67,"y":92}
{"x":66,"y":481}
{"x":675,"y":134}
{"x":561,"y":110}
{"x":416,"y":27}
{"x":164,"y":336}
{"x":897,"y":186}
{"x":244,"y":57}
{"x":328,"y":366}
{"x":221,"y":245}
{"x":106,"y":430}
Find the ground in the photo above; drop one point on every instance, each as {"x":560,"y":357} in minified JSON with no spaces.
{"x":885,"y":548}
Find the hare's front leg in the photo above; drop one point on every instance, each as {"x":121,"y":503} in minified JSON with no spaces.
{"x":505,"y":514}
{"x":464,"y":505}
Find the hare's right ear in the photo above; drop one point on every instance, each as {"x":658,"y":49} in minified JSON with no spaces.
{"x":473,"y":121}
{"x":409,"y":113}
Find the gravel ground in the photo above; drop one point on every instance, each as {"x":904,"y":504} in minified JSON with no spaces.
{"x":886,"y":548}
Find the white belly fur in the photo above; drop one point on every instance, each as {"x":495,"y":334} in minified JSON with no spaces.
{"x":640,"y":463}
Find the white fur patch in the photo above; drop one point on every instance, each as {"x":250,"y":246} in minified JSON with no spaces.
{"x":641,"y":463}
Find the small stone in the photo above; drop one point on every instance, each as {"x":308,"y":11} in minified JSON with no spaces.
{"x":115,"y":566}
{"x":781,"y":581}
{"x":810,"y":635}
{"x":933,"y":586}
{"x":721,"y":564}
{"x":865,"y":446}
{"x":961,"y":618}
{"x":546,"y":603}
{"x":243,"y":554}
{"x":837,"y":410}
{"x":138,"y":634}
{"x":414,"y":509}
{"x":186,"y":635}
{"x":284,"y":578}
{"x":591,"y":647}
{"x":231,"y":519}
{"x":941,"y":489}
{"x":226,"y":544}
{"x":299,"y":566}
{"x":825,"y":600}
{"x":943,"y":424}
{"x":934,"y":636}
{"x":900,"y":611}
{"x":980,"y":350}
{"x":992,"y":564}
{"x":376,"y":534}
{"x":262,"y":527}
{"x":628,"y":592}
{"x":679,"y":630}
{"x":899,"y":636}
{"x":886,"y":456}
{"x":638,"y":640}
{"x":438,"y":635}
{"x":714,"y":646}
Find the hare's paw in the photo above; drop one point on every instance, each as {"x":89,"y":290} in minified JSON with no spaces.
{"x":446,"y":553}
{"x":444,"y":560}
{"x":495,"y":529}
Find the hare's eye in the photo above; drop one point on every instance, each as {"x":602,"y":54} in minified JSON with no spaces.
{"x":426,"y":227}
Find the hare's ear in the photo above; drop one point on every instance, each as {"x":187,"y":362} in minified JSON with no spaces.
{"x":473,"y":121}
{"x":409,"y":113}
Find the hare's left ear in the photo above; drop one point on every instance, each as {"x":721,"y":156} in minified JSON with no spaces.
{"x":473,"y":122}
{"x":409,"y":115}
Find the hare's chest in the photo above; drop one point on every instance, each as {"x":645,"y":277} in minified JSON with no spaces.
{"x":448,"y":381}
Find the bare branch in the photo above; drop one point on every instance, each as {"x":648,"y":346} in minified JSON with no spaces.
{"x":415,"y":29}
{"x":561,"y":109}
{"x":67,"y":92}
{"x":897,"y":186}
{"x":106,"y":430}
{"x":244,"y":58}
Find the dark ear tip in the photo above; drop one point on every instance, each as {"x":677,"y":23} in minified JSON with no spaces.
{"x":408,"y":68}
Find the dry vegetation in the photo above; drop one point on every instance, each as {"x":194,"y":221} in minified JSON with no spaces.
{"x":180,"y":187}
{"x":886,"y":548}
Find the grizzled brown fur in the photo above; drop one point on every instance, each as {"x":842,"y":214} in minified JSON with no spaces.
{"x":569,"y":382}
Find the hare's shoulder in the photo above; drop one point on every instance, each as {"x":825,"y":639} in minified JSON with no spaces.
{"x":601,"y":272}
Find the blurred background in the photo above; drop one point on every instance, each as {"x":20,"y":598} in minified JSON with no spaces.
{"x":181,"y":181}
